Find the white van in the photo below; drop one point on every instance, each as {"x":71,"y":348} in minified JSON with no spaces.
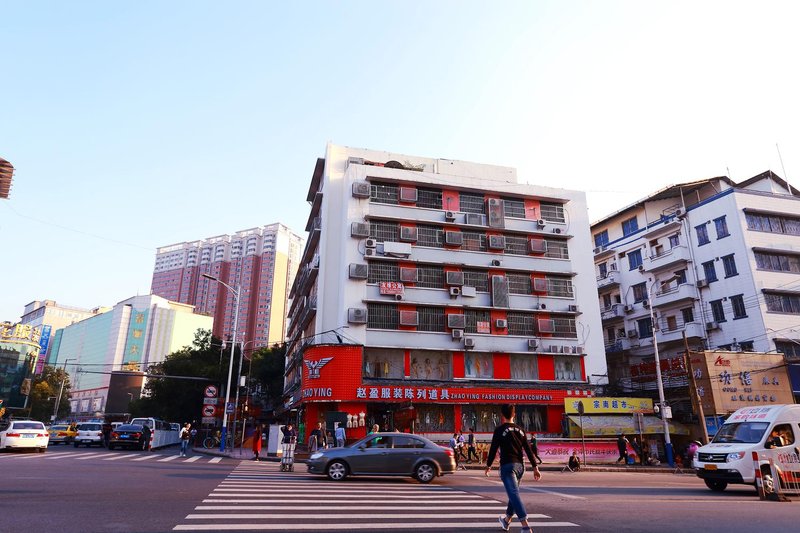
{"x":771,"y":430}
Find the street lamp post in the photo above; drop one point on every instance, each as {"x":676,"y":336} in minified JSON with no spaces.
{"x":61,"y":389}
{"x":239,"y":386}
{"x":236,"y":292}
{"x":659,"y":382}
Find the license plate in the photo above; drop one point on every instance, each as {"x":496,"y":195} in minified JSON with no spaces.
{"x":710,"y":467}
{"x":28,"y":435}
{"x":124,"y":436}
{"x":87,"y":442}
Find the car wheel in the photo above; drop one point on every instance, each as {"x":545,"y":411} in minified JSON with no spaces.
{"x":716,"y":486}
{"x":42,"y":450}
{"x":337,"y":471}
{"x":425,"y":472}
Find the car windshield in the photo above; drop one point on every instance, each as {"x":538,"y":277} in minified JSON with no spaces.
{"x":59,"y":428}
{"x":746,"y":432}
{"x":28,"y":425}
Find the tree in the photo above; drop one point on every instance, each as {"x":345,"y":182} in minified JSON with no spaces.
{"x":266,"y":375}
{"x":44,"y":394}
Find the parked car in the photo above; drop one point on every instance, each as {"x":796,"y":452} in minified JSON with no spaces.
{"x":24,"y":435}
{"x":89,"y":433}
{"x":385,"y":454}
{"x":62,"y":433}
{"x":134,"y":436}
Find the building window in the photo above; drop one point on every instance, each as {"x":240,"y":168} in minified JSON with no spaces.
{"x":478,"y":365}
{"x":773,"y":223}
{"x":514,"y":207}
{"x":560,"y":287}
{"x":565,"y":327}
{"x":729,"y":264}
{"x":790,"y":349}
{"x":702,"y":235}
{"x":430,"y":277}
{"x":567,"y":369}
{"x":383,"y":364}
{"x":430,"y":319}
{"x":716,"y":310}
{"x":432,"y":236}
{"x":477,"y":279}
{"x":639,"y":292}
{"x":516,"y":245}
{"x":384,"y":193}
{"x":634,"y":259}
{"x":687,"y":314}
{"x":552,"y":212}
{"x":473,"y":241}
{"x":520,"y":324}
{"x":524,"y":367}
{"x":674,"y":240}
{"x":602,"y":268}
{"x":430,"y":198}
{"x":519,"y":283}
{"x":645,"y":327}
{"x":382,"y":316}
{"x":384,"y":231}
{"x":721,"y":226}
{"x":472,"y":317}
{"x":630,"y":226}
{"x":601,"y":239}
{"x":431,"y":365}
{"x":782,"y":302}
{"x":739,"y":310}
{"x":710,"y":271}
{"x":556,"y":249}
{"x":681,"y":276}
{"x":778,"y":262}
{"x":381,"y":271}
{"x":471,"y":203}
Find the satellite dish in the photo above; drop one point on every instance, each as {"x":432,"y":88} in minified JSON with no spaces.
{"x":394,"y":164}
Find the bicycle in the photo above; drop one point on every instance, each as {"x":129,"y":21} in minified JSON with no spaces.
{"x":214,"y":441}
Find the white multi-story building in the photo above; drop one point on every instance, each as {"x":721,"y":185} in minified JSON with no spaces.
{"x":712,"y":259}
{"x":431,"y":290}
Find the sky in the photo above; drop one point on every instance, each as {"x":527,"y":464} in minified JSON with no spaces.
{"x":134,"y":125}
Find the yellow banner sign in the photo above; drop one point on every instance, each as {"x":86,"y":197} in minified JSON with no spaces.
{"x":608,"y":405}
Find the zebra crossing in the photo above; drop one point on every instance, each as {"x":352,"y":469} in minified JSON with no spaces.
{"x":258,"y":497}
{"x":104,"y":455}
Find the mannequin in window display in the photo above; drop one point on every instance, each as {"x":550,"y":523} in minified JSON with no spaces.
{"x":525,"y":418}
{"x":414,"y":370}
{"x":428,"y":369}
{"x":387,"y":368}
{"x":468,"y":365}
{"x":442,"y":367}
{"x":367,"y":367}
{"x":537,"y":420}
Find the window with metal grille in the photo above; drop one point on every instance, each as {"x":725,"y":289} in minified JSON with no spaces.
{"x":472,"y":317}
{"x":383,"y":272}
{"x":556,"y":249}
{"x":559,"y":287}
{"x":552,"y":212}
{"x":431,"y":319}
{"x":430,"y":236}
{"x":519,"y":283}
{"x":473,"y":241}
{"x":430,"y":198}
{"x":384,"y":231}
{"x":514,"y":207}
{"x":430,"y":277}
{"x":383,"y":316}
{"x":477,"y":279}
{"x":384,"y":193}
{"x":471,"y":203}
{"x":565,"y":327}
{"x":516,"y":245}
{"x":520,"y":324}
{"x":567,"y":369}
{"x":524,"y":367}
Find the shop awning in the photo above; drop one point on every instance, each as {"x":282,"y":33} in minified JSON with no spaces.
{"x":612,"y":425}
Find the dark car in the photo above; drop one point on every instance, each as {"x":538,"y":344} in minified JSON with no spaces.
{"x":133,"y":436}
{"x":385,"y":454}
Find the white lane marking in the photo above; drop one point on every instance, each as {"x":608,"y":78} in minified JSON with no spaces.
{"x":323,"y":516}
{"x":169,"y":458}
{"x":90,"y":456}
{"x":67,"y":455}
{"x":381,"y":496}
{"x":328,"y":500}
{"x":215,"y":460}
{"x":543,"y":491}
{"x":349,"y":508}
{"x":118,"y":457}
{"x":144,"y":458}
{"x":372,"y":526}
{"x":192,"y":459}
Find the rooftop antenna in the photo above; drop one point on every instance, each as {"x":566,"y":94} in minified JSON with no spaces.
{"x":783,"y":169}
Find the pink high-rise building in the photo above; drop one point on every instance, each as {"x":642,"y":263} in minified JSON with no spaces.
{"x":263,"y":261}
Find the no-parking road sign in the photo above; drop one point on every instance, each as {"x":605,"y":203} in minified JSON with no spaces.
{"x":211,"y":391}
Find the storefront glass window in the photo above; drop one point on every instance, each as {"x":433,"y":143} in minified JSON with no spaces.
{"x":383,"y":364}
{"x":434,"y":418}
{"x":478,"y":365}
{"x":524,"y":367}
{"x":567,"y":369}
{"x":431,"y":365}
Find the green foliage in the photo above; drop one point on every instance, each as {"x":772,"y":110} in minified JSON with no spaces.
{"x":43,"y":395}
{"x":267,"y":376}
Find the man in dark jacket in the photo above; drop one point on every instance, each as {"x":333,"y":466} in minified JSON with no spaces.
{"x":510,"y":439}
{"x":622,"y":448}
{"x":535,"y":447}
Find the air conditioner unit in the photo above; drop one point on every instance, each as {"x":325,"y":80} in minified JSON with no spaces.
{"x":450,"y":216}
{"x":397,"y":249}
{"x":546,"y":325}
{"x":470,"y":292}
{"x":358,"y":271}
{"x":645,"y":303}
{"x":539,"y":285}
{"x":574,"y":308}
{"x":633,"y":333}
{"x":315,"y":262}
{"x":398,"y":297}
{"x":629,"y":308}
{"x":557,"y":230}
{"x":457,"y":334}
{"x":408,"y":234}
{"x":409,"y":318}
{"x":359,"y":229}
{"x":712,"y":325}
{"x":455,"y":278}
{"x":474,"y":219}
{"x":497,"y":242}
{"x":702,"y":283}
{"x":621,"y":334}
{"x":357,"y":315}
{"x":453,"y":238}
{"x":612,"y":267}
{"x":370,"y":243}
{"x":455,"y":291}
{"x":680,"y":212}
{"x":501,"y":323}
{"x":361,"y":189}
{"x":597,"y":250}
{"x":533,"y":344}
{"x":541,"y":223}
{"x":355,"y":160}
{"x":538,"y":246}
{"x":566,"y":349}
{"x":408,"y":275}
{"x":456,"y":321}
{"x":370,"y":252}
{"x":496,"y":263}
{"x":469,"y":343}
{"x":577,"y":349}
{"x":408,"y":194}
{"x":641,"y":268}
{"x":552,"y":348}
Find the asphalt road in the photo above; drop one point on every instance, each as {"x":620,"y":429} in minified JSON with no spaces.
{"x":71,"y":490}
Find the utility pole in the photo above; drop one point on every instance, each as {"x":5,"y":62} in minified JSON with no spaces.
{"x":687,"y":354}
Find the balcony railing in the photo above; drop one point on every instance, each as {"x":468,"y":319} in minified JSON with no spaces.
{"x":611,"y":279}
{"x":668,"y":258}
{"x":675,"y":294}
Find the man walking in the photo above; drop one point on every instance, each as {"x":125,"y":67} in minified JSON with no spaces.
{"x":535,"y":447}
{"x":510,"y":439}
{"x":185,"y":434}
{"x":622,"y":447}
{"x":471,"y":447}
{"x":340,"y":435}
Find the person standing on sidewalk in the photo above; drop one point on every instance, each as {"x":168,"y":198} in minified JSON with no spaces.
{"x":185,"y":434}
{"x":535,"y":447}
{"x":510,"y":439}
{"x":257,"y":442}
{"x":471,"y":447}
{"x":340,"y":435}
{"x":622,"y":448}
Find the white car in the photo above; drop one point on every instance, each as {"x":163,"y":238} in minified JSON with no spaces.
{"x":24,"y":435}
{"x":89,"y":433}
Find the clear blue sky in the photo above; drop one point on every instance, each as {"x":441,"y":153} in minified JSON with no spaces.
{"x":139,"y":124}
